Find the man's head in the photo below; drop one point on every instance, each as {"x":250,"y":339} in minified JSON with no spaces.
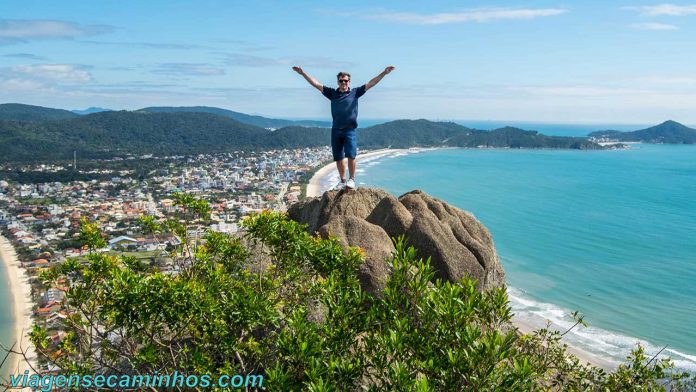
{"x":343,"y":79}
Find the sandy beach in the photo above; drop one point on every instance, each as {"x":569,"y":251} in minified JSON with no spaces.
{"x":584,"y":356}
{"x":314,"y":186}
{"x":22,"y":307}
{"x":314,"y":190}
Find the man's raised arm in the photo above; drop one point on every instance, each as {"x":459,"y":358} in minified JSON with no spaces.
{"x":309,"y":79}
{"x":377,"y":78}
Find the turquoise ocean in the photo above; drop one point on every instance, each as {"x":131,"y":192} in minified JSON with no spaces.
{"x":607,"y":233}
{"x":611,"y":234}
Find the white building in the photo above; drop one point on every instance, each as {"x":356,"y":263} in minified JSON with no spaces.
{"x":223,"y":227}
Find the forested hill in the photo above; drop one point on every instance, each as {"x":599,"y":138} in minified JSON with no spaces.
{"x":258,"y":121}
{"x":670,"y":132}
{"x":21,"y":112}
{"x":411,"y":133}
{"x":114,"y":133}
{"x":118,"y":133}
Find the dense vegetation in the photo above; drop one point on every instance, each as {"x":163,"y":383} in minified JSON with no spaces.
{"x":118,"y":133}
{"x":258,"y":121}
{"x":410,"y":133}
{"x":109,"y":134}
{"x":21,"y":112}
{"x":280,"y":303}
{"x":36,"y":177}
{"x":670,"y":132}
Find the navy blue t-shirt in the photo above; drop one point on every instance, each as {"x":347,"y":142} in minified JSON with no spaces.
{"x":344,"y":106}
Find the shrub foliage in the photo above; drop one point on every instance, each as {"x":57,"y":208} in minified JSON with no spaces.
{"x":281,"y":303}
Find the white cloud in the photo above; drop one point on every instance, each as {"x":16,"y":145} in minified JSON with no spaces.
{"x":245,"y":60}
{"x":20,"y":85}
{"x":684,"y":83}
{"x":149,"y":45}
{"x":665,"y":10}
{"x":318,"y":62}
{"x":474,"y":15}
{"x":654,"y":26}
{"x":55,"y":73}
{"x":28,"y":56}
{"x":24,"y":30}
{"x":578,"y":91}
{"x":188,"y":69}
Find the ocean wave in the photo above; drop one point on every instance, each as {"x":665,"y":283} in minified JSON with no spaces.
{"x":603,"y":344}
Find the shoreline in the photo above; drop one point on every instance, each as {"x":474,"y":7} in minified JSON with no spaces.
{"x":314,"y":184}
{"x":314,"y":190}
{"x":584,"y":356}
{"x":22,"y":307}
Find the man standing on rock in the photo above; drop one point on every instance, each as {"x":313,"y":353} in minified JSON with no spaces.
{"x":344,"y":110}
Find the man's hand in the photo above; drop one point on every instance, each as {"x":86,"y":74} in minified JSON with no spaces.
{"x":377,"y":78}
{"x":315,"y":83}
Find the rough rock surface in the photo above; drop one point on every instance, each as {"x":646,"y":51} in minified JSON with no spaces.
{"x":352,"y":231}
{"x":457,"y":243}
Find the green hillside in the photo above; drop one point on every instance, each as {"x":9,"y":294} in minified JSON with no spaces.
{"x":21,"y":112}
{"x":258,"y":121}
{"x":670,"y":132}
{"x":108,"y":134}
{"x":118,"y":133}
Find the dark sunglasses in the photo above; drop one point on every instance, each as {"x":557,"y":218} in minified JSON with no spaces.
{"x":344,"y":81}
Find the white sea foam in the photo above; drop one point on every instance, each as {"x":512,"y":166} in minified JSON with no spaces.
{"x":328,"y":180}
{"x":605,"y":345}
{"x":622,"y":217}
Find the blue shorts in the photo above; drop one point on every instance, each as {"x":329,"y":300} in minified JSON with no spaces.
{"x":344,"y":143}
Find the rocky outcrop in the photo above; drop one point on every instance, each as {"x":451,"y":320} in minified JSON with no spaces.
{"x":457,"y":243}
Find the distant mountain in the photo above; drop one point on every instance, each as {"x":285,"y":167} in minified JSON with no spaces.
{"x":106,"y":134}
{"x":90,"y":110}
{"x":21,"y":112}
{"x":258,"y":121}
{"x":511,"y":137}
{"x":411,"y":133}
{"x":670,"y":132}
{"x":118,"y":133}
{"x":424,"y":133}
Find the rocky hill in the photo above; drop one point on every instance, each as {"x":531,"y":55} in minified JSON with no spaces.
{"x":457,"y":243}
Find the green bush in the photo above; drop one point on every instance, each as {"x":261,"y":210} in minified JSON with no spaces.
{"x":293,"y":310}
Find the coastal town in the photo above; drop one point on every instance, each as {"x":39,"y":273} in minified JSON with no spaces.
{"x":42,"y":221}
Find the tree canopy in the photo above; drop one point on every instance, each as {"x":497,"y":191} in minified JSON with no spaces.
{"x":288,"y":306}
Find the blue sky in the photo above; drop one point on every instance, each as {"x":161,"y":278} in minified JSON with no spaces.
{"x":543,"y":61}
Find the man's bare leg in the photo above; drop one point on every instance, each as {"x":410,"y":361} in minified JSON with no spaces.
{"x":341,"y":166}
{"x":351,"y":168}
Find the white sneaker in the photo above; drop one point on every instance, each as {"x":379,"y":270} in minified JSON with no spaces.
{"x":350,"y":184}
{"x":340,"y":185}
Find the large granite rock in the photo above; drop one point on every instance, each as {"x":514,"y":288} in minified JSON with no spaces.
{"x":374,"y":242}
{"x":457,"y":243}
